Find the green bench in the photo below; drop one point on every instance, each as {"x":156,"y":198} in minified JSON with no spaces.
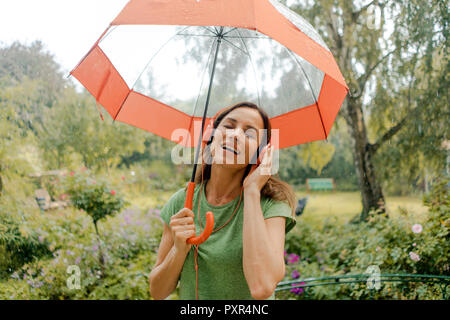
{"x":320,"y":184}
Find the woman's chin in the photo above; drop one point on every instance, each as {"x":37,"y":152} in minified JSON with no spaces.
{"x":229,"y":161}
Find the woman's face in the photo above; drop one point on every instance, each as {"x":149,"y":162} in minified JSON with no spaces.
{"x":237,"y":138}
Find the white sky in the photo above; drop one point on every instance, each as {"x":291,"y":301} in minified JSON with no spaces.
{"x":68,"y":28}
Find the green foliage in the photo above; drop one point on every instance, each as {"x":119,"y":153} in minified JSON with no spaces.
{"x":94,"y":197}
{"x":17,"y":246}
{"x":129,"y":253}
{"x":394,"y":245}
{"x":74,"y":126}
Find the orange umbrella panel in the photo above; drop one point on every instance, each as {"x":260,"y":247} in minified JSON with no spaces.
{"x":152,"y":69}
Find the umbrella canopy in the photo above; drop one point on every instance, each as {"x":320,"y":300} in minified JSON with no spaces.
{"x":153,"y":68}
{"x":168,"y":66}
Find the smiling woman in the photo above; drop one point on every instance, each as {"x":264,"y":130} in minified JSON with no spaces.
{"x":244,"y":256}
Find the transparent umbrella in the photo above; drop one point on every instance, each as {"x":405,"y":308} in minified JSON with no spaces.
{"x":169,"y":66}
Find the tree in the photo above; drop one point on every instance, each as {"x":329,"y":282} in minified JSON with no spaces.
{"x":35,"y":71}
{"x":382,"y":56}
{"x":74,"y":125}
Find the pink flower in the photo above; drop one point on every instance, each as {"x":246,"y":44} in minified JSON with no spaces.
{"x":113,"y":192}
{"x":295,"y":274}
{"x":72,"y":173}
{"x":123,"y":177}
{"x":297,"y":291}
{"x":293,"y":258}
{"x":417,"y":228}
{"x":414,"y":244}
{"x":414,"y":256}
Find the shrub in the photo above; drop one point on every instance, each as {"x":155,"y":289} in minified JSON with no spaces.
{"x":399,"y":245}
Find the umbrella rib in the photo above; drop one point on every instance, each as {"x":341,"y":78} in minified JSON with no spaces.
{"x":235,"y":46}
{"x":266,"y":38}
{"x":312,"y":90}
{"x":197,"y":35}
{"x":253,"y":67}
{"x":214,"y":33}
{"x":229,"y":31}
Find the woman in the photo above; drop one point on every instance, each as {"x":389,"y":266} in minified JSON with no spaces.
{"x":244,"y":256}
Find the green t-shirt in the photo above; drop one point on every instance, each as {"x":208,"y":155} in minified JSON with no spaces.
{"x":220,"y":269}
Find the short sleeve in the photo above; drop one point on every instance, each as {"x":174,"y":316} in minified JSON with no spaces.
{"x":280,"y":209}
{"x":173,"y":205}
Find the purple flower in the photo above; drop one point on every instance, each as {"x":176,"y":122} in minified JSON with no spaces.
{"x":78,"y":260}
{"x":297,"y":291}
{"x":295,"y":274}
{"x":95,"y":247}
{"x":293,"y":258}
{"x":69,"y":253}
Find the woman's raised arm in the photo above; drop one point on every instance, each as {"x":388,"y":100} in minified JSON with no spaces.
{"x":172,"y":253}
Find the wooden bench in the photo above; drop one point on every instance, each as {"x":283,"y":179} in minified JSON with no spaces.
{"x":45,"y":202}
{"x":320,"y":184}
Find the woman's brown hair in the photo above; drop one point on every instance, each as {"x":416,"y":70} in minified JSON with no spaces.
{"x":275,"y":188}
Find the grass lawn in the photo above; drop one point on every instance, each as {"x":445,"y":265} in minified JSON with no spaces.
{"x":343,"y":206}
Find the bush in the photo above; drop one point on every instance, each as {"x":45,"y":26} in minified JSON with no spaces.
{"x":17,"y":246}
{"x":394,"y":245}
{"x":129,"y":254}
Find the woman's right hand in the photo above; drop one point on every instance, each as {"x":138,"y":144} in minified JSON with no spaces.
{"x":182,"y":227}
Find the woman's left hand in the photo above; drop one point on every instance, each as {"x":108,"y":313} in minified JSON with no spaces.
{"x":257,"y":178}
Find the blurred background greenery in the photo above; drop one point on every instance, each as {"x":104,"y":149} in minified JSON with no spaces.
{"x":47,"y":124}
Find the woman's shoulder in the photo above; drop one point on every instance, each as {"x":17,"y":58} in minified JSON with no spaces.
{"x":178,"y":195}
{"x":278,"y":208}
{"x":173,"y":205}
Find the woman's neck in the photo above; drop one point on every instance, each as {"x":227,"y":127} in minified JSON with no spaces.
{"x":224,"y":185}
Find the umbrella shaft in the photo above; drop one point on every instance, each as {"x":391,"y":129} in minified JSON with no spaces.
{"x":199,"y":144}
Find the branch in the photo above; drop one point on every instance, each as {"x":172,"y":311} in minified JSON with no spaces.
{"x":372,"y":148}
{"x":356,"y":14}
{"x":333,"y":32}
{"x":362,"y":80}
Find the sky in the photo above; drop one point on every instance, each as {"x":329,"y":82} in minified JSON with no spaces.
{"x":68,"y":28}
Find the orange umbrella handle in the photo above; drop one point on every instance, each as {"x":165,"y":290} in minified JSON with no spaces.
{"x":206,"y":232}
{"x":209,"y":218}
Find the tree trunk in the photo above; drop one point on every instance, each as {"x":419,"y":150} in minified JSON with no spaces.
{"x":371,"y":192}
{"x":1,"y":182}
{"x":100,"y":250}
